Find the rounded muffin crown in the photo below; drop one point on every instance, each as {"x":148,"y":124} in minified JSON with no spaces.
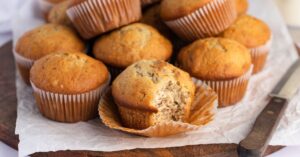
{"x":138,"y":86}
{"x":132,"y":43}
{"x":173,"y":9}
{"x":47,"y":39}
{"x":249,"y":31}
{"x":58,"y":13}
{"x":68,"y":73}
{"x":215,"y":59}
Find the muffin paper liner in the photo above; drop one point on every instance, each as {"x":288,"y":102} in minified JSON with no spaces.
{"x":148,"y":2}
{"x":209,"y":20}
{"x":69,"y":108}
{"x":24,"y":65}
{"x":94,"y":17}
{"x":202,"y":112}
{"x":45,"y":6}
{"x":259,"y":56}
{"x":229,"y":91}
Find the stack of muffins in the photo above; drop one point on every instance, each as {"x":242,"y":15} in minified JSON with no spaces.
{"x":211,"y":41}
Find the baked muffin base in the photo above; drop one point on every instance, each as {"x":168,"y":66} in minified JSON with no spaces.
{"x":229,"y":91}
{"x":259,"y":56}
{"x":209,"y":20}
{"x":24,"y":65}
{"x":68,"y":108}
{"x":202,"y":112}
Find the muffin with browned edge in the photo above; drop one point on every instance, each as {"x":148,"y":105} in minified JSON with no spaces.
{"x":194,"y":19}
{"x":67,"y":86}
{"x":129,"y":44}
{"x":223,"y":64}
{"x":58,"y":14}
{"x":41,"y":41}
{"x":150,"y":92}
{"x":92,"y":18}
{"x":255,"y":35}
{"x":242,"y":7}
{"x":149,"y":2}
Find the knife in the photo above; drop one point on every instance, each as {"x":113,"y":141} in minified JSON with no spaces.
{"x":255,"y":144}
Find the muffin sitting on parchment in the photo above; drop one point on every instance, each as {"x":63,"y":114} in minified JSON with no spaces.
{"x":58,"y":14}
{"x":151,"y":92}
{"x":68,"y":86}
{"x":221,"y":63}
{"x":129,"y":44}
{"x":48,"y":38}
{"x":255,"y":35}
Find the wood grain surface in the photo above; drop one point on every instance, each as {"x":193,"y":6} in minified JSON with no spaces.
{"x":8,"y":114}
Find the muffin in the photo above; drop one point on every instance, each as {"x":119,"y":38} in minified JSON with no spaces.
{"x":241,"y":6}
{"x":149,"y":2}
{"x":41,"y":41}
{"x":67,"y":86}
{"x":94,"y":17}
{"x":150,"y":92}
{"x":46,"y":5}
{"x":129,"y":44}
{"x":194,"y":19}
{"x":58,"y":14}
{"x":257,"y":39}
{"x":221,"y":63}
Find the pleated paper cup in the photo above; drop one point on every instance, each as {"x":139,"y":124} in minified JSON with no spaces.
{"x":259,"y":56}
{"x":148,"y":2}
{"x":209,"y":20}
{"x":202,"y":112}
{"x":229,"y":91}
{"x":94,"y":17}
{"x":24,"y":65}
{"x":68,"y":108}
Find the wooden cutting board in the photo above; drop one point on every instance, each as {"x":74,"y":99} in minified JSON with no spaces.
{"x":8,"y":103}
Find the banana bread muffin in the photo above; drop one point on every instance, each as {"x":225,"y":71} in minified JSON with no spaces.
{"x":95,"y":17}
{"x":242,"y":7}
{"x":186,"y":17}
{"x":223,"y":64}
{"x":132,"y":43}
{"x":58,"y":14}
{"x":43,"y":40}
{"x":151,"y":92}
{"x":255,"y":35}
{"x":67,"y":86}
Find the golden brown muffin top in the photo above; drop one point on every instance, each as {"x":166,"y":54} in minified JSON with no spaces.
{"x":173,"y":9}
{"x":132,"y":43}
{"x":138,"y":86}
{"x":249,"y":31}
{"x":55,"y":1}
{"x":152,"y":17}
{"x":68,"y":73}
{"x":215,"y":59}
{"x":241,"y":6}
{"x":47,"y":39}
{"x":58,"y":13}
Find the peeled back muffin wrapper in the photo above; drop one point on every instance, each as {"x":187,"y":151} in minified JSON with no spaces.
{"x":69,"y":107}
{"x":259,"y":55}
{"x":229,"y":91}
{"x":94,"y":17}
{"x":45,"y":6}
{"x":203,"y":110}
{"x":209,"y":20}
{"x":24,"y":65}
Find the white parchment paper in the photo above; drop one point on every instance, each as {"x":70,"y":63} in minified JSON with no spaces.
{"x":38,"y":134}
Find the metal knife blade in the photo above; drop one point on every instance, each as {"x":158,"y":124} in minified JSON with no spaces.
{"x":289,"y":83}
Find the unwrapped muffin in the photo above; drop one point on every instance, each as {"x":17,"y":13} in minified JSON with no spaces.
{"x":151,"y":92}
{"x":94,"y":17}
{"x":255,"y":35}
{"x":194,"y":19}
{"x":67,"y":86}
{"x":43,"y":40}
{"x":58,"y":14}
{"x":242,"y":7}
{"x":132,"y":43}
{"x":223,"y":64}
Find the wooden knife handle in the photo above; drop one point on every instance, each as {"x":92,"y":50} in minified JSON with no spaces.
{"x":255,"y":144}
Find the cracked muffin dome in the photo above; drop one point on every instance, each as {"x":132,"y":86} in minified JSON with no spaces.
{"x":68,"y":73}
{"x":215,"y":59}
{"x":47,"y":39}
{"x":152,"y":91}
{"x":58,"y":14}
{"x":132,"y":43}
